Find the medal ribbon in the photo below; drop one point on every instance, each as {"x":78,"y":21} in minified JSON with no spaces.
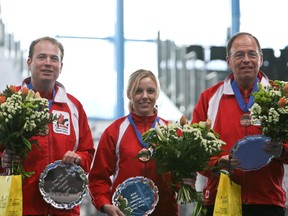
{"x":245,"y":107}
{"x":29,"y":86}
{"x":139,"y":136}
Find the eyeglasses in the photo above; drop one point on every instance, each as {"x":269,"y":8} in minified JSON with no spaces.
{"x":241,"y":55}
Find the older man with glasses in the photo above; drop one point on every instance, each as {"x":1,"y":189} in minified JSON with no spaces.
{"x":227,"y":106}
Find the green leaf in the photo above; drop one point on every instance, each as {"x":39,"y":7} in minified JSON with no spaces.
{"x":26,"y":142}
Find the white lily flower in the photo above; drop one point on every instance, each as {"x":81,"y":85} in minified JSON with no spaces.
{"x":159,"y":132}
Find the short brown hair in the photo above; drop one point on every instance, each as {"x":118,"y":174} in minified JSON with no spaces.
{"x":232,"y":39}
{"x":52,"y":40}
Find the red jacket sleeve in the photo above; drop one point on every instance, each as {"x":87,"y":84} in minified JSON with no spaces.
{"x":103,"y":167}
{"x":85,"y":148}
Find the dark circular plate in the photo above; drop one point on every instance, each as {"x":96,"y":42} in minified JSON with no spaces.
{"x":249,"y":151}
{"x":63,"y":186}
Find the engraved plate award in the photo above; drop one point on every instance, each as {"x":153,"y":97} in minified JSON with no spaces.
{"x":249,"y":151}
{"x":136,"y":196}
{"x":63,"y":186}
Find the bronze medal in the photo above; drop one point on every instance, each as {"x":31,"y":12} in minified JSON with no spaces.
{"x":144,"y":155}
{"x":245,"y":120}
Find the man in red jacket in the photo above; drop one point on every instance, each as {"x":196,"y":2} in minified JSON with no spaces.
{"x":227,"y":106}
{"x":69,"y":139}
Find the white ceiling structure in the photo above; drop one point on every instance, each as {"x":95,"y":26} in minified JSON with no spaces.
{"x":186,"y":22}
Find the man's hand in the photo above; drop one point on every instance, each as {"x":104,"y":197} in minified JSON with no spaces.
{"x":274,"y":148}
{"x":7,"y":157}
{"x":71,"y":157}
{"x":228,"y":162}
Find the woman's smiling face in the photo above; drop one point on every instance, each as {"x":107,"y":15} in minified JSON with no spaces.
{"x":144,"y":98}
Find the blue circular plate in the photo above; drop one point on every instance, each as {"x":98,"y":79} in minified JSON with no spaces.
{"x":140,"y":193}
{"x":249,"y":151}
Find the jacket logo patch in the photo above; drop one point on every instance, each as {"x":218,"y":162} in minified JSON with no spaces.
{"x":62,"y":125}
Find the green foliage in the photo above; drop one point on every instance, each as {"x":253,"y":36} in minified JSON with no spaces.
{"x":22,"y":115}
{"x":183,"y":151}
{"x":270,"y":109}
{"x":123,"y":205}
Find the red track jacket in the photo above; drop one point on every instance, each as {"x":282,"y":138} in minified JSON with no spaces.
{"x":75,"y":134}
{"x":116,"y":157}
{"x":262,"y":186}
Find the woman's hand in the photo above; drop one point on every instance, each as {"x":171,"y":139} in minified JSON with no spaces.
{"x":112,"y":210}
{"x":190,"y":181}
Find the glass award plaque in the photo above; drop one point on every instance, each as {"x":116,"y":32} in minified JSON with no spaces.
{"x":136,"y":196}
{"x":63,"y":186}
{"x":249,"y":151}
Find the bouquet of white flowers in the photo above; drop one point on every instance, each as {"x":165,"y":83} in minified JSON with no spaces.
{"x":23,"y":114}
{"x":270,"y":109}
{"x":183,"y":150}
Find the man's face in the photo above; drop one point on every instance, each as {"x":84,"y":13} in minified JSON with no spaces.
{"x":45,"y":65}
{"x":245,"y":60}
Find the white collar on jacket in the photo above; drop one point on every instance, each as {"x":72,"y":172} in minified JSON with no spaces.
{"x":61,"y":94}
{"x":228,"y":87}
